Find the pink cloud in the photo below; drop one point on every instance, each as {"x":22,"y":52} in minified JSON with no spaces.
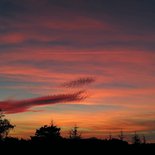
{"x":135,"y":69}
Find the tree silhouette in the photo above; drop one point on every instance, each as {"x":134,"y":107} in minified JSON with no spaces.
{"x":74,"y":134}
{"x":5,"y":126}
{"x":136,"y":139}
{"x":51,"y":132}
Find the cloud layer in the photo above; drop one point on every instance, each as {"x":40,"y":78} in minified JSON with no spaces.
{"x":44,"y":43}
{"x":77,"y":24}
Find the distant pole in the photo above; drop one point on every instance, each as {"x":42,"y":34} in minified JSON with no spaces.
{"x":110,"y":136}
{"x":52,"y":123}
{"x":144,"y":139}
{"x":121,"y":136}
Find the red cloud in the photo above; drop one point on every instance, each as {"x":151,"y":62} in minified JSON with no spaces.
{"x":79,"y":82}
{"x":15,"y":106}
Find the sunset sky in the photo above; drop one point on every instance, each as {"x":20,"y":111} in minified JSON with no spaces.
{"x":89,"y":63}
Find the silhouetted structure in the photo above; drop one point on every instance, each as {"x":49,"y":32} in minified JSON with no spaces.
{"x":121,"y":136}
{"x":110,"y":136}
{"x":144,"y":139}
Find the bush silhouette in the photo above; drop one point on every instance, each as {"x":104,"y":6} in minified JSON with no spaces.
{"x":46,"y":132}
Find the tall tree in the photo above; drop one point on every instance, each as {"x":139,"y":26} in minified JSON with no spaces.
{"x":5,"y":125}
{"x":136,"y":139}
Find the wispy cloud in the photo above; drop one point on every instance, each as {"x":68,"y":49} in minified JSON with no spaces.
{"x":79,"y":82}
{"x":16,"y":106}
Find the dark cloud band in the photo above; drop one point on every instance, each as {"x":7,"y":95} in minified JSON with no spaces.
{"x":16,"y":106}
{"x":79,"y":82}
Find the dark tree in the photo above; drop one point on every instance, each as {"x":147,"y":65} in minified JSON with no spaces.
{"x":5,"y":125}
{"x":136,"y":139}
{"x":74,"y":134}
{"x":50,"y":132}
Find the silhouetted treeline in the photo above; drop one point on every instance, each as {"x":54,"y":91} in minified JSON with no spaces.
{"x":48,"y":139}
{"x":73,"y":146}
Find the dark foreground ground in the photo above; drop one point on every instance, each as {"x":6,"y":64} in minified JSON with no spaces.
{"x":66,"y":146}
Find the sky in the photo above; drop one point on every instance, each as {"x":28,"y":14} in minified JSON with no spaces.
{"x":89,"y":63}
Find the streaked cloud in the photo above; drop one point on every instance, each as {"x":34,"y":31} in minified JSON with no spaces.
{"x":45,"y":43}
{"x":79,"y":82}
{"x":15,"y":106}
